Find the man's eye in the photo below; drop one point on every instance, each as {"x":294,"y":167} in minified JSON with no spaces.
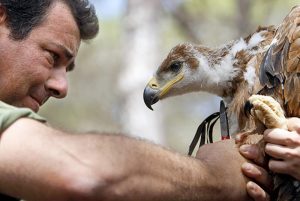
{"x":54,"y":55}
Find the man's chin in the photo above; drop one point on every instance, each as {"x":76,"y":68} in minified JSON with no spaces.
{"x":35,"y":108}
{"x":28,"y":102}
{"x":33,"y":105}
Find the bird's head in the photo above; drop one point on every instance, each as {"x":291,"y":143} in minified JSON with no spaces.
{"x":179,"y":73}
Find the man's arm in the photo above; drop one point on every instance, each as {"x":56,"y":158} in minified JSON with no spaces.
{"x":40,"y":163}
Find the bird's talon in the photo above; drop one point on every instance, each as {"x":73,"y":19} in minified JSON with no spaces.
{"x":247,"y":108}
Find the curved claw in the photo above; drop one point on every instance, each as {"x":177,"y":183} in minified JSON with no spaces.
{"x":247,"y":108}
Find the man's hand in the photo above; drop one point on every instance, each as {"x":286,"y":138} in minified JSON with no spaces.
{"x":256,"y":172}
{"x":223,"y":161}
{"x":284,"y":148}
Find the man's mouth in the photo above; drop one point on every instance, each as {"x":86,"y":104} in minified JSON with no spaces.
{"x":38,"y":102}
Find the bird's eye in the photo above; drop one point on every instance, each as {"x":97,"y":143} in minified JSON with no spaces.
{"x":175,"y":67}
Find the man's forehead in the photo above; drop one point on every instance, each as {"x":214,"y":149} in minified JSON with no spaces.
{"x":59,"y":17}
{"x":63,"y":40}
{"x":59,"y":27}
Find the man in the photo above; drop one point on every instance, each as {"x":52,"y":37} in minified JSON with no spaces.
{"x":39,"y":41}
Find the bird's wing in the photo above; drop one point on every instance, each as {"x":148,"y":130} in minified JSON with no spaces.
{"x":281,"y":63}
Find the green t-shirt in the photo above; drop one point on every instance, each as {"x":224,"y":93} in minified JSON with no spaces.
{"x":9,"y":114}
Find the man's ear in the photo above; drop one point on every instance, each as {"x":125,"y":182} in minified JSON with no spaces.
{"x":2,"y":14}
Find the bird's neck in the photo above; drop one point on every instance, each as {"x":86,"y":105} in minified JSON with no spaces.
{"x":226,"y":67}
{"x":218,"y":69}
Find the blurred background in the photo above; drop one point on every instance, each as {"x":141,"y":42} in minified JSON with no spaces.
{"x":106,"y":88}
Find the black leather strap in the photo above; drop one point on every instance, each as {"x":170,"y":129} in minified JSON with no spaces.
{"x":204,"y":132}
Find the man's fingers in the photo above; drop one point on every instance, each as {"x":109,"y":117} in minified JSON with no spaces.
{"x":282,"y":137}
{"x":253,"y":152}
{"x":284,"y":167}
{"x":280,"y":152}
{"x":290,"y":137}
{"x":258,"y":174}
{"x":293,"y":124}
{"x":279,"y":166}
{"x":256,"y":192}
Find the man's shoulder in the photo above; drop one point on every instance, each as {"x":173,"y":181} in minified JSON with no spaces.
{"x":9,"y":114}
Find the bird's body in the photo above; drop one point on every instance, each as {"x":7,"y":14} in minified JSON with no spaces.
{"x":280,"y":69}
{"x":280,"y":76}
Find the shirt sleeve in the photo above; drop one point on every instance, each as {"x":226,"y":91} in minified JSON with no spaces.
{"x":9,"y":114}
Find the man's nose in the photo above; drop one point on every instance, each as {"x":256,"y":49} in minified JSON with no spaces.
{"x":57,"y":84}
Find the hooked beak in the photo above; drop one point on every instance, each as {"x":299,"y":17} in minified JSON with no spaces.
{"x":151,"y":93}
{"x":154,"y":92}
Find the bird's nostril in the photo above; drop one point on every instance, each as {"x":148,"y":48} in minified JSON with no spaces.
{"x":154,"y":85}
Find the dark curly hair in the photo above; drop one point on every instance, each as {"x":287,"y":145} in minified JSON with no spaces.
{"x":24,"y":15}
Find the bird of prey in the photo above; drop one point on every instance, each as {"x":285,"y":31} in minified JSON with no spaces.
{"x":266,"y":62}
{"x":229,"y":71}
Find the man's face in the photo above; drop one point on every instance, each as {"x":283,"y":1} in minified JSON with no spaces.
{"x":34,"y":69}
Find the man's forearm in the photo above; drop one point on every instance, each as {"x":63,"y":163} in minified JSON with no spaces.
{"x":149,"y":172}
{"x":137,"y":170}
{"x":132,"y":169}
{"x":51,"y":165}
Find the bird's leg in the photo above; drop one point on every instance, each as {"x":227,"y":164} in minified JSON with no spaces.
{"x":268,"y":111}
{"x":252,"y":132}
{"x":265,"y":112}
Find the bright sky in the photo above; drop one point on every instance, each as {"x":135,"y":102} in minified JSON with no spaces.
{"x":109,"y":8}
